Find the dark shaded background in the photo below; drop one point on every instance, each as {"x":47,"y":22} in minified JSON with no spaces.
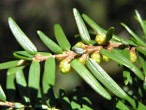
{"x":33,"y":15}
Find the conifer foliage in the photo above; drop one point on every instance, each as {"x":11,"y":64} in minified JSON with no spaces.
{"x":36,"y":88}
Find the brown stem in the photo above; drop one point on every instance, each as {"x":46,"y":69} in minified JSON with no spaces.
{"x":112,"y":45}
{"x":7,"y":104}
{"x":69,"y":55}
{"x":93,"y":49}
{"x":40,"y":58}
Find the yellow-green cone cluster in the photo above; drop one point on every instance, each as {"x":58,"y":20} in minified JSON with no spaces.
{"x":82,"y":60}
{"x":79,"y":44}
{"x":64,"y":66}
{"x":100,"y":39}
{"x":96,"y":56}
{"x":133,"y":56}
{"x":105,"y":58}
